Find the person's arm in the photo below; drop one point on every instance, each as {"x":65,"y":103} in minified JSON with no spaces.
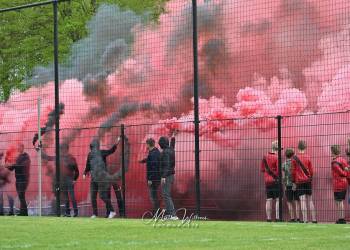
{"x":165,"y":164}
{"x":143,"y":160}
{"x":112,"y":149}
{"x":172,"y":142}
{"x":47,"y":157}
{"x":75,"y":168}
{"x":87,"y":167}
{"x":11,"y":167}
{"x":339,"y":170}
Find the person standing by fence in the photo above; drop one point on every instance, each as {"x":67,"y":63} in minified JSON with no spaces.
{"x":340,"y":172}
{"x":22,"y":170}
{"x":4,"y":181}
{"x":167,"y":170}
{"x":302,"y":174}
{"x":100,"y":178}
{"x":269,"y":167}
{"x":69,"y":175}
{"x":293,"y":201}
{"x":153,"y":173}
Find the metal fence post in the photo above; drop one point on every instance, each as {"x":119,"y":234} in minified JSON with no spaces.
{"x":279,"y":138}
{"x":57,"y":116}
{"x":196,"y":107}
{"x":122,"y":134}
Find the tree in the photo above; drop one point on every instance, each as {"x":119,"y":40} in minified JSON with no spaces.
{"x":26,"y":35}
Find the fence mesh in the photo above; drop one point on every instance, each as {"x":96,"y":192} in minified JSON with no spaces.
{"x":257,"y":60}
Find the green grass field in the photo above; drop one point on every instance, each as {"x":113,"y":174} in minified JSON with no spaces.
{"x":84,"y":233}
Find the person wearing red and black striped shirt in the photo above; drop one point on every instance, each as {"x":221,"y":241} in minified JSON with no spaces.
{"x":269,"y":166}
{"x":302,"y":174}
{"x":340,"y":172}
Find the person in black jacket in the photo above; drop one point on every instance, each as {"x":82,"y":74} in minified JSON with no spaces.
{"x":100,"y":178}
{"x":167,"y":171}
{"x":153,"y":173}
{"x":69,"y":175}
{"x":22,"y":169}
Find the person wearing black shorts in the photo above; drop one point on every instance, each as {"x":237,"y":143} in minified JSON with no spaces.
{"x":292,"y":196}
{"x":272,"y":191}
{"x":302,"y":175}
{"x":304,"y":189}
{"x":269,"y":167}
{"x":340,"y":172}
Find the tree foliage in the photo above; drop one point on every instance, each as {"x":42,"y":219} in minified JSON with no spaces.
{"x":27,"y":35}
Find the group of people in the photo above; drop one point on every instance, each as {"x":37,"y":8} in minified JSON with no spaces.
{"x":297,"y":174}
{"x":21,"y":167}
{"x":160,"y":173}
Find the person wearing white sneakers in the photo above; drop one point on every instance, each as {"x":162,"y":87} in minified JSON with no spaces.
{"x":100,"y":178}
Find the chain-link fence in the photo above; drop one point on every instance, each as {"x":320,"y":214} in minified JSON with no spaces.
{"x":225,"y":78}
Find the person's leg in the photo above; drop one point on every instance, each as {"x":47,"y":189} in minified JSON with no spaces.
{"x":1,"y":202}
{"x":303,"y":203}
{"x":66,"y":202}
{"x":153,"y":194}
{"x":268,"y":208}
{"x":166,"y":193}
{"x":312,"y":208}
{"x":104,"y":190}
{"x":340,"y":209}
{"x":297,"y":209}
{"x":277,"y":202}
{"x":65,"y":197}
{"x":291,"y":210}
{"x":119,"y":197}
{"x":71,"y":192}
{"x":21,"y":189}
{"x":93,"y":193}
{"x":105,"y":197}
{"x":11,"y":205}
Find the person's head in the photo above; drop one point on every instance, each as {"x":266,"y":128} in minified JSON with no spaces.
{"x":274,"y":146}
{"x":150,"y":143}
{"x":95,"y":144}
{"x":64,"y":148}
{"x":289,"y":153}
{"x":163,"y":142}
{"x":302,"y":145}
{"x":335,"y":149}
{"x":20,"y":148}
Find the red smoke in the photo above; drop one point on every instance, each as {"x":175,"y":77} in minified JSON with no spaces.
{"x":257,"y":59}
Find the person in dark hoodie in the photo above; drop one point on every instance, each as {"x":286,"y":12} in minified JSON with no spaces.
{"x":153,"y":173}
{"x":167,"y":172}
{"x":69,"y":175}
{"x":100,"y":178}
{"x":22,"y":170}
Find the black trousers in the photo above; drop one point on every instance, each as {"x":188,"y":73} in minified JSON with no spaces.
{"x":21,"y":188}
{"x":119,"y":197}
{"x":67,"y":188}
{"x":103,"y":188}
{"x":153,"y":194}
{"x":10,"y":202}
